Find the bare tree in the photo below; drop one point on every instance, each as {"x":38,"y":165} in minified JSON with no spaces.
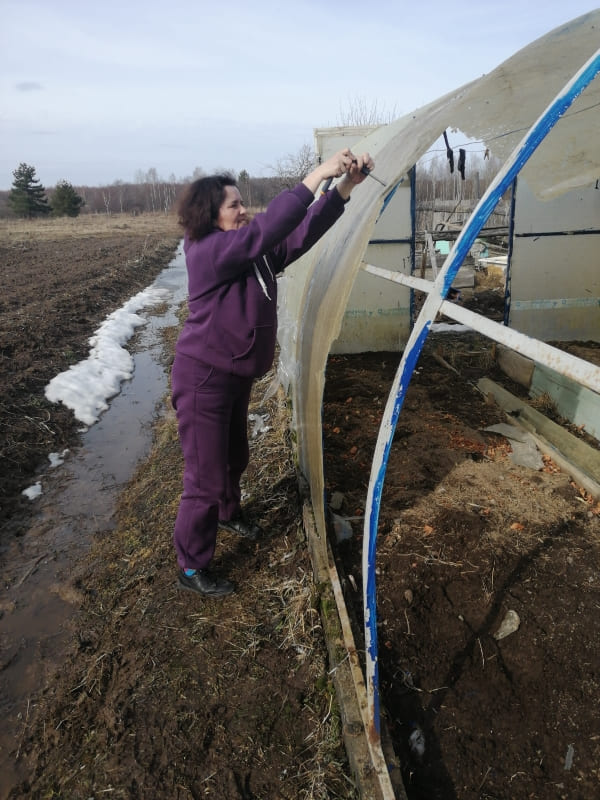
{"x":444,"y":195}
{"x":168,"y":191}
{"x":295,"y":166}
{"x":153,"y":180}
{"x":360,"y":111}
{"x":121,"y":189}
{"x":106,"y":199}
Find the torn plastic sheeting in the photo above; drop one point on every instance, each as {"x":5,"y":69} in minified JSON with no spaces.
{"x":496,"y":108}
{"x":509,"y":431}
{"x":342,"y":527}
{"x":525,"y":452}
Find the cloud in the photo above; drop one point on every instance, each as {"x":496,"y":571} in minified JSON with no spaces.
{"x":29,"y":86}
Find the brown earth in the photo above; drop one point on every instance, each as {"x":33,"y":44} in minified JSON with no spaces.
{"x":60,"y":279}
{"x":170,"y":696}
{"x":466,"y":536}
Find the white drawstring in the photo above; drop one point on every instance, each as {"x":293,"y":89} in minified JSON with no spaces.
{"x":260,"y":278}
{"x":268,"y":267}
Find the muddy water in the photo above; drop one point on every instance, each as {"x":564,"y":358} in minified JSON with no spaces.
{"x":38,"y":594}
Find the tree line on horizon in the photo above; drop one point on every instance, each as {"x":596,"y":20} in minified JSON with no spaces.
{"x":150,"y":193}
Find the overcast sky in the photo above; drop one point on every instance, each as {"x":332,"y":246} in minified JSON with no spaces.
{"x":95,"y":92}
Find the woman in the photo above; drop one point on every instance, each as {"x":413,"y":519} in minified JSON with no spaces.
{"x":228,"y":340}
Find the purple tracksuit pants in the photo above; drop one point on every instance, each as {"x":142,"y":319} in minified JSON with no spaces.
{"x":212,"y":416}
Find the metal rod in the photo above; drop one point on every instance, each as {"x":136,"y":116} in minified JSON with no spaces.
{"x":580,"y":370}
{"x":364,"y":170}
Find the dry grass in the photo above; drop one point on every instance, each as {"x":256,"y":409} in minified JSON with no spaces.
{"x":544,"y":403}
{"x":492,"y":278}
{"x":86,"y":225}
{"x":275,"y":608}
{"x":460,"y":352}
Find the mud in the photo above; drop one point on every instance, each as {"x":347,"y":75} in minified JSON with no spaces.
{"x":465,"y":537}
{"x":55,"y":293}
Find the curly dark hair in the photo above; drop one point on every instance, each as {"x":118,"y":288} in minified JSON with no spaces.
{"x":199,"y":206}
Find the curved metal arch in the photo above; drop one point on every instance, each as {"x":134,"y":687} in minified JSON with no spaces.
{"x":440,"y":287}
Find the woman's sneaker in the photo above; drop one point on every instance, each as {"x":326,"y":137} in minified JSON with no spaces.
{"x":242,"y":527}
{"x":204,"y":582}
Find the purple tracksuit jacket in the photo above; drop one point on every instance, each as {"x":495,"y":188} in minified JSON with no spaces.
{"x":232,"y":287}
{"x":228,"y":340}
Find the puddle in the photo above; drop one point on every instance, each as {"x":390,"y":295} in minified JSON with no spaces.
{"x":37,"y":599}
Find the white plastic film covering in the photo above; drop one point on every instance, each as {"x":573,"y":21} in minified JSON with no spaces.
{"x":497,"y":109}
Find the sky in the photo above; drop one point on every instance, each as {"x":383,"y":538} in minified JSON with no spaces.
{"x":94,"y":93}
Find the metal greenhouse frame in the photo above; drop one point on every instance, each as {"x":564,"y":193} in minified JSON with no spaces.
{"x":577,"y":369}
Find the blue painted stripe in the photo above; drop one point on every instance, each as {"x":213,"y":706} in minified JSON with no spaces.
{"x":565,"y":302}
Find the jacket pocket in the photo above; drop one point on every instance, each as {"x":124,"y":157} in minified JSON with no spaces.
{"x":258,"y":357}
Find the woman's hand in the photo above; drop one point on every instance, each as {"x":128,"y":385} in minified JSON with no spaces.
{"x":357,"y":172}
{"x":342,"y":163}
{"x":336,"y":166}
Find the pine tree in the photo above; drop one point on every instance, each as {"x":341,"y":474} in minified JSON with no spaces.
{"x":65,"y":201}
{"x":27,"y":197}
